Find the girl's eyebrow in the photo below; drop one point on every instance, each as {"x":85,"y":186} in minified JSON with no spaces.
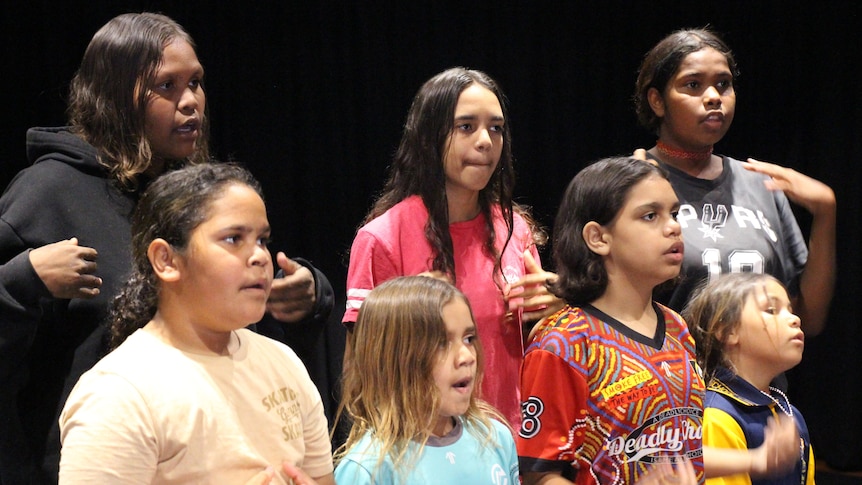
{"x":470,"y":117}
{"x":769,"y":299}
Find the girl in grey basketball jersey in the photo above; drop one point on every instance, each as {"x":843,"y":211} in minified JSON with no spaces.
{"x":734,"y":215}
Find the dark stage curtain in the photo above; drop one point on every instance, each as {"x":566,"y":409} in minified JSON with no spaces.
{"x":312,"y":96}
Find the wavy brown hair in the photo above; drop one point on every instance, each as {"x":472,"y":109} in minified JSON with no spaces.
{"x":170,"y":208}
{"x":417,"y":168}
{"x":388,"y":382}
{"x":108,"y":95}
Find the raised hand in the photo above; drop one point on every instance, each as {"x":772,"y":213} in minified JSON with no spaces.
{"x":531,"y":292}
{"x":67,"y":269}
{"x":292,"y":297}
{"x":780,"y":450}
{"x":813,"y":195}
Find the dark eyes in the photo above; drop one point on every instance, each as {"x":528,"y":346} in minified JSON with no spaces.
{"x":237,"y":238}
{"x":167,"y":86}
{"x":469,"y":128}
{"x":720,"y":86}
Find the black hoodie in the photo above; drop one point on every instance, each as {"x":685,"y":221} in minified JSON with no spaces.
{"x":47,"y":343}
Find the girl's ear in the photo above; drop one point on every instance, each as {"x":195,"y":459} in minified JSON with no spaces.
{"x":656,"y":102}
{"x":730,"y":337}
{"x":163,"y":258}
{"x":596,"y":238}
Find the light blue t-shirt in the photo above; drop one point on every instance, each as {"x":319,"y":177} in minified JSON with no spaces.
{"x":455,"y":458}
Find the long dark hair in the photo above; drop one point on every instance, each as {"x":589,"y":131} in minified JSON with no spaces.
{"x":108,"y":95}
{"x":417,"y":168}
{"x":597,"y":193}
{"x":170,"y":208}
{"x":662,"y":62}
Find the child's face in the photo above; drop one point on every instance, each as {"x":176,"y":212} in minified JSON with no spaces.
{"x":455,"y":370}
{"x":769,"y":336}
{"x":699,"y":102}
{"x":475,"y":144}
{"x":644,"y":241}
{"x":175,"y":106}
{"x":226,"y":271}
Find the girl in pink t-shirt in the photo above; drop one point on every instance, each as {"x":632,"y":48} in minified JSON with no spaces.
{"x":447,"y":211}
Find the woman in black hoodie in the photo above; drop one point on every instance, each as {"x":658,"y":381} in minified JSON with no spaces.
{"x":137,"y":108}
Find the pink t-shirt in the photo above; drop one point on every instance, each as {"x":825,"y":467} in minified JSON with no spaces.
{"x":394,"y":244}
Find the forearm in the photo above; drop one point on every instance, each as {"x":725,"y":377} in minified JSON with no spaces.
{"x":817,"y":282}
{"x":722,"y":462}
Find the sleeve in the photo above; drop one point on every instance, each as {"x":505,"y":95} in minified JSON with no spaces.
{"x":107,"y":433}
{"x":794,"y":253}
{"x":350,"y":471}
{"x":20,"y":292}
{"x":810,"y":473}
{"x":371,"y":263}
{"x":553,"y":399}
{"x":720,"y":430}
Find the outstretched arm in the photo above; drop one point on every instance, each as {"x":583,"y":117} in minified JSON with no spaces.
{"x":817,"y":283}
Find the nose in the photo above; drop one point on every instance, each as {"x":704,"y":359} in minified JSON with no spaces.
{"x":711,"y":97}
{"x":260,"y":256}
{"x":466,"y":356}
{"x":673,"y":228}
{"x":189,"y":102}
{"x":795,"y":321}
{"x":483,"y":139}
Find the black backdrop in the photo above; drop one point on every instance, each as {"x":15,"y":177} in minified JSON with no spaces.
{"x":311,"y":97}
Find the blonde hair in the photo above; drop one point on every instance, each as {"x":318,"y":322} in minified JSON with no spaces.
{"x":715,"y":311}
{"x":388,"y":385}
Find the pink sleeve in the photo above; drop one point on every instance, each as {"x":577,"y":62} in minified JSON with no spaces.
{"x":370,"y":264}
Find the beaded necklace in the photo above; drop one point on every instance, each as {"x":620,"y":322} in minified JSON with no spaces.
{"x":789,"y":410}
{"x":671,"y":152}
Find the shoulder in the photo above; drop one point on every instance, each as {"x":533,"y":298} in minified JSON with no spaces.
{"x":261,"y":345}
{"x":673,"y":320}
{"x":741,"y":177}
{"x":568,"y":320}
{"x":361,"y":462}
{"x":407,"y":213}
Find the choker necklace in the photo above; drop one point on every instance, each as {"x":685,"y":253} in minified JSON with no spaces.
{"x":789,"y":410}
{"x":671,"y":152}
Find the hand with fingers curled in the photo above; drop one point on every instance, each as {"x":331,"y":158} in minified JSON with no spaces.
{"x":67,"y":269}
{"x":292,"y":296}
{"x":532,"y":292}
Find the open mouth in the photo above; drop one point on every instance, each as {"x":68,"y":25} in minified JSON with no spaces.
{"x":463,"y":383}
{"x":189,"y":127}
{"x":677,"y":248}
